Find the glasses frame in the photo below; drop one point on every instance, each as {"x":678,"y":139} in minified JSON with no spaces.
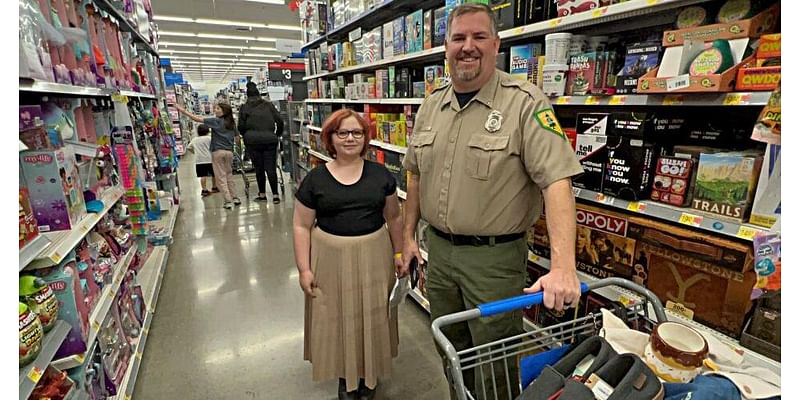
{"x":344,"y":134}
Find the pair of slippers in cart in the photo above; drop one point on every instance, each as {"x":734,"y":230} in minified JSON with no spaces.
{"x":605,"y":374}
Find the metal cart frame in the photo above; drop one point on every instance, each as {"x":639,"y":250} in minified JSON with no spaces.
{"x":484,"y":359}
{"x":239,"y":156}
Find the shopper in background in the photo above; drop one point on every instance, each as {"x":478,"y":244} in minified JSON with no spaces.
{"x":344,"y":253}
{"x":486,"y":150}
{"x":261,"y":126}
{"x":200,"y":146}
{"x":221,"y":148}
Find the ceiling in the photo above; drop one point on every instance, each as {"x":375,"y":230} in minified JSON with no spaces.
{"x":222,"y":40}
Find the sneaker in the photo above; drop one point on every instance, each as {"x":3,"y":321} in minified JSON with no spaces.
{"x":552,"y":379}
{"x":228,"y":205}
{"x":261,"y":198}
{"x":625,"y":376}
{"x":236,"y":201}
{"x":276,"y":200}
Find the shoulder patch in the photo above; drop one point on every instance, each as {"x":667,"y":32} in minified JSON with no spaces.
{"x":547,"y":120}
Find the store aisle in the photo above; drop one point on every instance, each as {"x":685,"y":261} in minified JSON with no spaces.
{"x":229,"y":320}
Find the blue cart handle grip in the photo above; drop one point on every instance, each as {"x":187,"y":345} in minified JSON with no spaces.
{"x":516,"y":303}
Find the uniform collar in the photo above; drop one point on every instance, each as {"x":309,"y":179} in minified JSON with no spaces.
{"x":485,"y":94}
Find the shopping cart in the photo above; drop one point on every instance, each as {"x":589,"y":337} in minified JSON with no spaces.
{"x":490,"y":362}
{"x":239,"y":165}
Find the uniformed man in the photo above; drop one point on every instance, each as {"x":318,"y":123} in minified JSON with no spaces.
{"x":487,"y":151}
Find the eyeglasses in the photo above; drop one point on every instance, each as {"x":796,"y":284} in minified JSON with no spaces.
{"x":343,"y":134}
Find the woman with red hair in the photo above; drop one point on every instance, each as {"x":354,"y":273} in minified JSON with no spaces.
{"x":347,"y":226}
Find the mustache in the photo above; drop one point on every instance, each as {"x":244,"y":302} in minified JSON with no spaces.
{"x":465,"y":54}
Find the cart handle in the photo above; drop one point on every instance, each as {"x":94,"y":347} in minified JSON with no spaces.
{"x":516,"y":303}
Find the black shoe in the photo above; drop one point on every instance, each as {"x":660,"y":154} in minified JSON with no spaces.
{"x":553,"y":378}
{"x":214,"y":190}
{"x":261,"y":198}
{"x":276,"y":200}
{"x":365,"y":393}
{"x":626,"y":375}
{"x":344,"y":394}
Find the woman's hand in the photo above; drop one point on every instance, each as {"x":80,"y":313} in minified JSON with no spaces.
{"x":307,"y":283}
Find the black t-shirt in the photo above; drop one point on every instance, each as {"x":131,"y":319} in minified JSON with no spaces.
{"x":464,"y":98}
{"x":348,"y":210}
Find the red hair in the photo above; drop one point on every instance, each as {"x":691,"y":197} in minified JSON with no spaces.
{"x":332,"y":124}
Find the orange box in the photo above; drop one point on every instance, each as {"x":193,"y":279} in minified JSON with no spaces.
{"x":760,"y":24}
{"x":758,"y":78}
{"x":769,"y":46}
{"x":724,"y":82}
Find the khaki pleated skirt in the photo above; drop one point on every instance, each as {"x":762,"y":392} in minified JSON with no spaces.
{"x":349,"y":332}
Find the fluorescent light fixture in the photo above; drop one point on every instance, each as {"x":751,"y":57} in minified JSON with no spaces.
{"x":262,"y":48}
{"x":177,"y":44}
{"x":169,"y":33}
{"x":219,"y":53}
{"x":265,"y":39}
{"x":284,"y":27}
{"x":219,"y":36}
{"x":174,"y":19}
{"x":210,"y":21}
{"x":259,"y":60}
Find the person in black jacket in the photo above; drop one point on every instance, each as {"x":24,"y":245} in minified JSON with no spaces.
{"x":261,"y":126}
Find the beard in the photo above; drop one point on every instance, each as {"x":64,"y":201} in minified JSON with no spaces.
{"x":467,"y":73}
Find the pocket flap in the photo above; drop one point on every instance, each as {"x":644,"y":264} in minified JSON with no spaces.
{"x":488,"y":142}
{"x":423,"y":138}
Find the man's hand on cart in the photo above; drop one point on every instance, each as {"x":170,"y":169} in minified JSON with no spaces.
{"x":561,"y":288}
{"x":410,"y":250}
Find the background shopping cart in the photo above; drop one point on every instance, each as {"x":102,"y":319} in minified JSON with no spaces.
{"x":243,"y":166}
{"x":492,"y":362}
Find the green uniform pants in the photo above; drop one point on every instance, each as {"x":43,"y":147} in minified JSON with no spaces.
{"x":461,"y":277}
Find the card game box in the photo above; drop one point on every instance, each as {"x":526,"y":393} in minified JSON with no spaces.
{"x":640,"y":59}
{"x":439,"y":26}
{"x":592,"y":154}
{"x":414,"y":32}
{"x":581,"y":76}
{"x":387,"y":39}
{"x":399,"y":36}
{"x":521,"y":60}
{"x":673,"y":180}
{"x":629,"y":168}
{"x":432,"y":73}
{"x":593,"y":123}
{"x":726,"y":183}
{"x":427,"y":29}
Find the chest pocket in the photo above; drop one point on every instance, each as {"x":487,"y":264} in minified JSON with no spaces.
{"x":484,"y":154}
{"x":423,"y":149}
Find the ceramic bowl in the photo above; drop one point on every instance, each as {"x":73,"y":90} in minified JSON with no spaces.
{"x":676,"y":352}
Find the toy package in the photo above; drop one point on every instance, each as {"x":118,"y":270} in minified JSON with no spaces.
{"x":54,"y":385}
{"x":673,"y":180}
{"x":432,"y":73}
{"x":40,"y":299}
{"x":55,"y":188}
{"x":427,"y":29}
{"x":725,"y":183}
{"x":639,"y":60}
{"x":767,"y":200}
{"x":767,"y":246}
{"x":414,"y":32}
{"x":439,"y":26}
{"x":30,"y":335}
{"x":399,"y":34}
{"x":388,"y":40}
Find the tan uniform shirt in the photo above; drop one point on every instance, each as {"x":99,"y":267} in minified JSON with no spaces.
{"x":481,"y":168}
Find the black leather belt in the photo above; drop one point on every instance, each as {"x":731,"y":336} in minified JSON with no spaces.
{"x":470,"y":240}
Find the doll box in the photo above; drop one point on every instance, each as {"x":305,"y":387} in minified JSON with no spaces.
{"x":55,"y":188}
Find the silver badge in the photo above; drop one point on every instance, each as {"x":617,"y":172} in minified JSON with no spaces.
{"x":494,"y":122}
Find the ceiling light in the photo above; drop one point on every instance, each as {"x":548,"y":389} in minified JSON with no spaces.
{"x":219,"y":53}
{"x":263,"y":48}
{"x":285,"y":27}
{"x":228,"y":22}
{"x":169,"y":33}
{"x":265,"y":39}
{"x":266,"y":59}
{"x":177,"y":44}
{"x":174,"y":19}
{"x":218,"y":36}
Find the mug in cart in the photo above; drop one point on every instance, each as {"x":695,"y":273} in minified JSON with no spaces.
{"x":556,"y":48}
{"x":676,"y":352}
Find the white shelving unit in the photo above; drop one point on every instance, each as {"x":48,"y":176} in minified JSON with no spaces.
{"x":683,"y":99}
{"x":30,"y":375}
{"x":314,"y":128}
{"x":319,"y":155}
{"x":366,"y":101}
{"x":32,"y":85}
{"x":62,"y":242}
{"x":390,"y":147}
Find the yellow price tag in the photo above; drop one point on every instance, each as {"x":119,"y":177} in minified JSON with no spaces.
{"x":636,"y":206}
{"x":652,"y":2}
{"x":746,"y":232}
{"x":518,"y":31}
{"x":120,"y":98}
{"x":563,"y":100}
{"x":576,"y":191}
{"x":679,"y":309}
{"x":673,"y":100}
{"x":555,"y":22}
{"x":592,"y":100}
{"x":736,"y":99}
{"x":80,"y":358}
{"x":601,"y":198}
{"x":690,"y":219}
{"x":597,"y":13}
{"x":139,"y":355}
{"x":533,"y":257}
{"x":35,"y":374}
{"x":617,"y":100}
{"x":626,"y":301}
{"x":96,"y":326}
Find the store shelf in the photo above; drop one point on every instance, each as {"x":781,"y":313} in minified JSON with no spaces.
{"x":686,"y":99}
{"x":299,"y":120}
{"x":100,"y":311}
{"x":314,"y":42}
{"x":615,"y":12}
{"x":62,"y":242}
{"x":167,"y":221}
{"x":126,"y":25}
{"x":319,"y":155}
{"x":29,"y":85}
{"x":304,"y":145}
{"x":367,"y":101}
{"x":614,"y":293}
{"x":314,"y":128}
{"x":686,"y":216}
{"x":32,"y":250}
{"x":418,"y":56}
{"x":32,"y":85}
{"x":420,"y":299}
{"x":390,"y":147}
{"x":30,"y":374}
{"x":401,"y":194}
{"x":303,"y":167}
{"x":150,"y":277}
